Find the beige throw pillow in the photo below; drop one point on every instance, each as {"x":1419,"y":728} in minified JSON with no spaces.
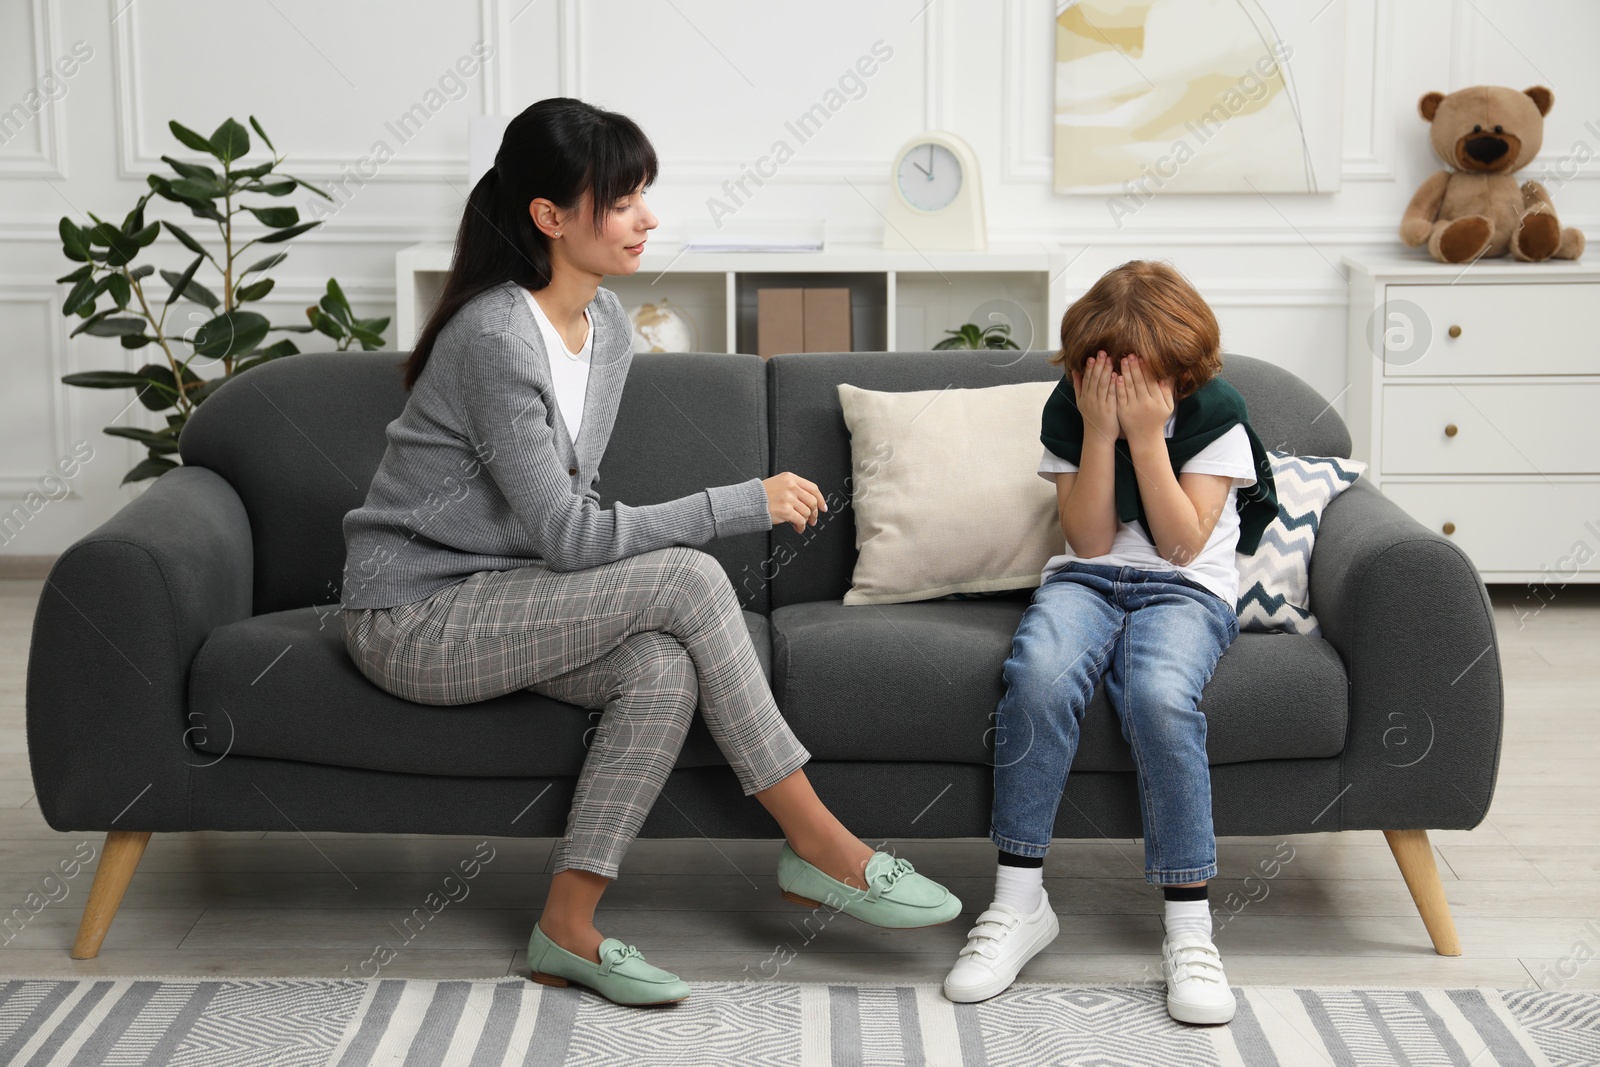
{"x":945,"y":491}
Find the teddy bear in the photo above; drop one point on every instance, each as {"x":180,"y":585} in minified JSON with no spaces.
{"x":1477,"y":208}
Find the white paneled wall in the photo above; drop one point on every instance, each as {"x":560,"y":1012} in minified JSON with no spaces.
{"x":713,"y":82}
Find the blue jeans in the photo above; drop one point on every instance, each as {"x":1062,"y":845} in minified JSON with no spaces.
{"x":1156,"y":637}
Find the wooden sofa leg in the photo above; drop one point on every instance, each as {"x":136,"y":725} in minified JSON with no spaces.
{"x":118,"y":859}
{"x":1413,"y":852}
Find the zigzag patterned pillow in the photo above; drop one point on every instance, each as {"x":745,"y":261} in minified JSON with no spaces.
{"x":1275,"y":580}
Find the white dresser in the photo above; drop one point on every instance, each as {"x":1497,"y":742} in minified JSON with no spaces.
{"x":1474,"y":396}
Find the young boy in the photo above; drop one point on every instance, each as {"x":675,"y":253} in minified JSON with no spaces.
{"x":1148,"y":450}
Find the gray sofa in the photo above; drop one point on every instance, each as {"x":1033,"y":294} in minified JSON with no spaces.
{"x":187,"y":671}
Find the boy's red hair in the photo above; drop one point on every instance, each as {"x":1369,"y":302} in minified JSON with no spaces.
{"x":1150,"y":309}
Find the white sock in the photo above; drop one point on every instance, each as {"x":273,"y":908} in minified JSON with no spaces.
{"x":1019,"y":887}
{"x":1188,"y":915}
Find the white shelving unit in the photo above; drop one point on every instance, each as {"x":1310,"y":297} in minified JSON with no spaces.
{"x":901,"y":300}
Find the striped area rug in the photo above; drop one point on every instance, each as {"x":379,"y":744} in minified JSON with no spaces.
{"x":505,"y":1022}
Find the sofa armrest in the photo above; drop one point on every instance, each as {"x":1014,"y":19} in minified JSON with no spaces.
{"x":120,"y":619}
{"x":1410,"y":617}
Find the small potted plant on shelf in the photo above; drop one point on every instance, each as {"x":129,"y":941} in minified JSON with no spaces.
{"x":227,"y":335}
{"x":971,"y":335}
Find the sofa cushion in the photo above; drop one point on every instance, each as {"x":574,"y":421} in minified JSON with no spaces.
{"x":809,"y":435}
{"x":921,"y":682}
{"x":1275,"y":579}
{"x":284,"y":686}
{"x":945,"y":495}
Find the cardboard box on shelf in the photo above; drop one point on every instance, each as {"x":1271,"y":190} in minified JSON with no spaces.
{"x":802,"y":320}
{"x":780,"y":321}
{"x":827,"y":320}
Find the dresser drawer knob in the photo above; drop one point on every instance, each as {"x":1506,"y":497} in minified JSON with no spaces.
{"x":1455,"y":331}
{"x":1449,"y":528}
{"x":1450,"y":429}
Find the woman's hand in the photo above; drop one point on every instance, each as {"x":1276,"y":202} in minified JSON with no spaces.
{"x":1097,"y":397}
{"x":792,"y":499}
{"x":1144,"y":402}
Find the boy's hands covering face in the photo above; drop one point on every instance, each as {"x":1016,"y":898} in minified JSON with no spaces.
{"x":1096,"y":390}
{"x":1144,"y":402}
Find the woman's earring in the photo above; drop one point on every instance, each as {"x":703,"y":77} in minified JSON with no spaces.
{"x":558,"y":233}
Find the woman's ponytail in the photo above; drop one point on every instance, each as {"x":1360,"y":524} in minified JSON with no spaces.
{"x":556,"y":149}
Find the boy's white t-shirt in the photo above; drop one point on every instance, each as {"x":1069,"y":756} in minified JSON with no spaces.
{"x":1215,"y":567}
{"x":569,"y":371}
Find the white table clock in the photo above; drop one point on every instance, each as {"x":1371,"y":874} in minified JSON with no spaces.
{"x":935,"y":196}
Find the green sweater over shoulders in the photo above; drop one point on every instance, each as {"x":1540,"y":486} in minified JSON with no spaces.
{"x":1199,"y":419}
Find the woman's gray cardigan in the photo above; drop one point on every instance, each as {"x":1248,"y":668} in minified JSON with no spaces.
{"x":479,"y":473}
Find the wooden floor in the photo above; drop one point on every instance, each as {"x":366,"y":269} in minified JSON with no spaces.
{"x":1524,"y":886}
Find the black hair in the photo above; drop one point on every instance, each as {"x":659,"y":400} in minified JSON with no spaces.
{"x":558,"y":149}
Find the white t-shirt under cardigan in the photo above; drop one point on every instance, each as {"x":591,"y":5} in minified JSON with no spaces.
{"x":1215,"y":566}
{"x":569,"y":371}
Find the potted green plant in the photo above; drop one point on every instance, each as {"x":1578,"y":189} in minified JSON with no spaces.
{"x":231,"y":337}
{"x":971,"y":335}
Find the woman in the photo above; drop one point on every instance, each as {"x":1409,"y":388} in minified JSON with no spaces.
{"x":482,"y":562}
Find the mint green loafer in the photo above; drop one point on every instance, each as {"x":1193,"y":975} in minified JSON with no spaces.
{"x":896,"y":896}
{"x":622,"y":976}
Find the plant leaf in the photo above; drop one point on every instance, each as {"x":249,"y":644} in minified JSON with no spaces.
{"x":135,"y":340}
{"x":147,"y":235}
{"x":114,"y":327}
{"x":341,"y":314}
{"x":141,"y":272}
{"x":206,"y":210}
{"x":272,"y":189}
{"x":153,"y":467}
{"x":81,"y":292}
{"x":229,"y":334}
{"x":339,"y":298}
{"x":183,"y":235}
{"x":283,"y":235}
{"x":133,"y":222}
{"x":256,"y":126}
{"x":180,"y":282}
{"x":90,"y":318}
{"x":337,"y":304}
{"x":77,"y":275}
{"x":369,"y":341}
{"x":276,"y":217}
{"x":190,"y":139}
{"x":160,"y":441}
{"x":255,"y":290}
{"x":265,"y":264}
{"x":307,"y":185}
{"x":229,"y":141}
{"x":120,"y":290}
{"x":163,"y":393}
{"x":191,"y":170}
{"x":73,"y":241}
{"x":254,"y":172}
{"x":196,"y":189}
{"x":282,"y":348}
{"x":324,"y":324}
{"x":201,"y":295}
{"x":199,"y":393}
{"x":105,"y":379}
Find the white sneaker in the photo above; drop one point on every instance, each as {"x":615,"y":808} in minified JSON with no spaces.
{"x":997,"y":947}
{"x":1197,"y":988}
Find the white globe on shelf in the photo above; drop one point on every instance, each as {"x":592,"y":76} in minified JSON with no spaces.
{"x":661,"y":327}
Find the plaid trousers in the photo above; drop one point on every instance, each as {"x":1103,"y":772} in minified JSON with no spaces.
{"x":646,"y":638}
